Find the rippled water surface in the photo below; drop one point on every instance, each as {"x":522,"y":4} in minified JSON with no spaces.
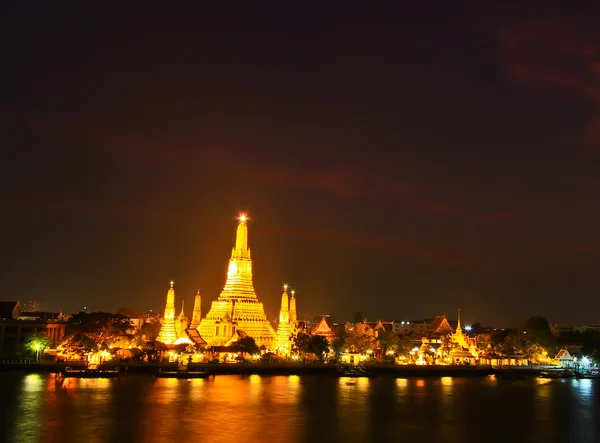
{"x":35,"y":408}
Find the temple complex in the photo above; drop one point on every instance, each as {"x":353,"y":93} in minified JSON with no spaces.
{"x":168,"y":333}
{"x":237,"y":308}
{"x":286,"y":327}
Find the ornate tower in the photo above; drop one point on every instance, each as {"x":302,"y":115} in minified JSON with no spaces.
{"x":293,"y":315}
{"x":196,"y":315}
{"x":168,"y":333}
{"x":283,"y":341}
{"x":237,"y":308}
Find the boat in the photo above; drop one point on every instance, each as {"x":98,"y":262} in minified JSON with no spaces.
{"x":353,"y":371}
{"x":587,"y":374}
{"x":92,"y":371}
{"x":182,"y":372}
{"x":556,"y":374}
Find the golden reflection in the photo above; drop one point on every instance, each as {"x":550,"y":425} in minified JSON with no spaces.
{"x":447,"y":381}
{"x":401,"y":382}
{"x":420,"y":383}
{"x":28,"y":426}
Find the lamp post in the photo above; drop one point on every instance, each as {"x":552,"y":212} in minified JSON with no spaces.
{"x":37,"y":351}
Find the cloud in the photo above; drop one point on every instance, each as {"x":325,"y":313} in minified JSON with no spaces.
{"x":468,"y":215}
{"x":351,"y":179}
{"x":548,"y":52}
{"x":588,"y":248}
{"x":591,"y":132}
{"x":453,"y":258}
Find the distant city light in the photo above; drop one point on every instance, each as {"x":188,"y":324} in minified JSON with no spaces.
{"x":468,"y":328}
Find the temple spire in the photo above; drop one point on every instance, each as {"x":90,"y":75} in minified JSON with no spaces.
{"x":196,"y":314}
{"x":167,"y":333}
{"x":284,"y":313}
{"x":241,"y":239}
{"x":182,"y":314}
{"x":458,"y":328}
{"x":293,"y":315}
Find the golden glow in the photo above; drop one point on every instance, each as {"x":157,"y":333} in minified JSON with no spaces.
{"x":285,"y":287}
{"x":243,"y":217}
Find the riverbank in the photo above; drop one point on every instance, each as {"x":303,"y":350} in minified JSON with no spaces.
{"x":268,"y":369}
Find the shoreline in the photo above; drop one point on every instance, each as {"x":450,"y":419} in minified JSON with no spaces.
{"x":287,"y":369}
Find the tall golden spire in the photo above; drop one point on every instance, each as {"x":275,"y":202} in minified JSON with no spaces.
{"x":196,"y":314}
{"x":284,"y":313}
{"x":458,"y":327}
{"x":241,"y":239}
{"x":293,"y":315}
{"x":283,"y":340}
{"x":167,"y":333}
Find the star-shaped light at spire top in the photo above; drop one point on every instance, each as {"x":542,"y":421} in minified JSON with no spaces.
{"x":285,"y":287}
{"x":243,"y":217}
{"x":172,"y":283}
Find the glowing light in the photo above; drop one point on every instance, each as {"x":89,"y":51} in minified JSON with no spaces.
{"x":468,"y":328}
{"x":37,"y":346}
{"x":285,"y":287}
{"x":585,"y":361}
{"x":243,"y":217}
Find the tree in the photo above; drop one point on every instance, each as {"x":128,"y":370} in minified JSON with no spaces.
{"x":537,"y":330}
{"x":319,"y":346}
{"x":512,"y":344}
{"x":301,"y":344}
{"x":388,"y":341}
{"x":37,"y":343}
{"x":103,"y":328}
{"x":246,"y":345}
{"x":484,"y":342}
{"x":360,"y":338}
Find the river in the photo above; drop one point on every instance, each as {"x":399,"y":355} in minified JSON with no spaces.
{"x":273,"y":409}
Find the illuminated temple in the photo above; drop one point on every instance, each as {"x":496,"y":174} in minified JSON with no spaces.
{"x":237,"y":311}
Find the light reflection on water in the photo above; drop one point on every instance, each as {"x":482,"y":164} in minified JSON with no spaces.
{"x":296,"y":409}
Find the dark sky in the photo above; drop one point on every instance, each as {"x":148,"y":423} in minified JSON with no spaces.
{"x":401,"y":161}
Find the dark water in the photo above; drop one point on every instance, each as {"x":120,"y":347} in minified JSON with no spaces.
{"x":298,"y":409}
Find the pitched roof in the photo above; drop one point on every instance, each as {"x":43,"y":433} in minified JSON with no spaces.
{"x":323,"y":328}
{"x":440,"y":325}
{"x":195,"y":337}
{"x":563,"y":354}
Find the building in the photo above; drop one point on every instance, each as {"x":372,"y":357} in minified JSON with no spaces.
{"x":16,"y":328}
{"x":238,"y":308}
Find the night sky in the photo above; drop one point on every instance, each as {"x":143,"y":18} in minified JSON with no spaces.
{"x":401,"y":161}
